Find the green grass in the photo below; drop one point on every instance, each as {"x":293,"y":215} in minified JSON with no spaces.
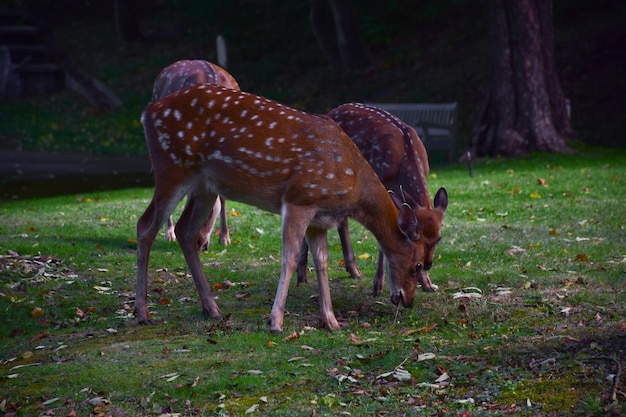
{"x":548,"y":259}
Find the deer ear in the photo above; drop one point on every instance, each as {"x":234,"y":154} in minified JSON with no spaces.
{"x":407,"y":221}
{"x":441,"y":199}
{"x":409,"y":199}
{"x":396,"y":200}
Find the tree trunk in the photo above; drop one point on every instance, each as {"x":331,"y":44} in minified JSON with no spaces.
{"x":348,"y":34}
{"x":324,"y":30}
{"x":525,"y":108}
{"x":341,"y":43}
{"x":126,"y":20}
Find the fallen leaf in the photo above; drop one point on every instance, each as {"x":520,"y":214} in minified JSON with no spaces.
{"x":355,"y":340}
{"x":542,"y":182}
{"x":364,"y":256}
{"x":37,"y":312}
{"x":292,"y":336}
{"x":514,"y":190}
{"x":428,"y":329}
{"x":534,"y":195}
{"x":515,"y":250}
{"x":425,"y":356}
{"x":442,"y":377}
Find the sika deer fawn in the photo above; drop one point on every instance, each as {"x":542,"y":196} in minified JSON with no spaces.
{"x":175,"y":77}
{"x":206,"y":141}
{"x":399,"y":158}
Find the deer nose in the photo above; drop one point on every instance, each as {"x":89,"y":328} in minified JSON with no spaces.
{"x":428,"y":265}
{"x":399,"y":297}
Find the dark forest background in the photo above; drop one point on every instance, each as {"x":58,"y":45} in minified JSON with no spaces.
{"x":418,"y":51}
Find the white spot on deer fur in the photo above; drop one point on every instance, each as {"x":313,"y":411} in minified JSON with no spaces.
{"x":254,"y":117}
{"x":176,"y":159}
{"x":164,"y":140}
{"x":158,"y":123}
{"x":210,"y":104}
{"x":268,"y":142}
{"x":196,"y":139}
{"x":281,"y":140}
{"x":166,"y":112}
{"x":188,"y":150}
{"x":177,"y":115}
{"x":349,"y":171}
{"x":273,"y":125}
{"x":181,"y":134}
{"x":330,"y":176}
{"x":194,"y":102}
{"x":244,"y":113}
{"x":189,"y":125}
{"x":259,"y":123}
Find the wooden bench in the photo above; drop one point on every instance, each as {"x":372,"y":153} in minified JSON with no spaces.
{"x":435,"y":123}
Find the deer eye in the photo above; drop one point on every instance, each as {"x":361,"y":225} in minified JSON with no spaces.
{"x":415,"y":271}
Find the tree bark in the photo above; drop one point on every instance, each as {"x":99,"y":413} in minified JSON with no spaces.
{"x":126,"y":21}
{"x":341,"y":43}
{"x":525,"y":108}
{"x":323,"y":27}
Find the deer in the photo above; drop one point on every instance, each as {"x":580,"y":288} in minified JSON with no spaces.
{"x":177,"y":76}
{"x":399,"y":158}
{"x":207,"y":140}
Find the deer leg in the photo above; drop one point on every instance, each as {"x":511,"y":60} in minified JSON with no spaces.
{"x":224,"y":230}
{"x":204,"y":235}
{"x":319,"y":249}
{"x":348,"y":253}
{"x":379,"y":276}
{"x":170,"y":235}
{"x":424,"y":281}
{"x":303,"y":261}
{"x":198,"y":208}
{"x":294,"y":221}
{"x":148,"y":227}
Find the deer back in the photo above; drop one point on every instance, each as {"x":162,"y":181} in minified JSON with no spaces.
{"x":185,"y":73}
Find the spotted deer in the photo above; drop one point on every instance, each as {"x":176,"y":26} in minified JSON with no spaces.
{"x":206,"y":141}
{"x":397,"y":155}
{"x":177,"y":76}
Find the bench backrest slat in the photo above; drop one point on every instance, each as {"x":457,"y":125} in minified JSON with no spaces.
{"x":421,"y":116}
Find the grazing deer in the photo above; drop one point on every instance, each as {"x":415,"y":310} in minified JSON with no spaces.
{"x":175,"y":77}
{"x":206,"y":141}
{"x":399,"y":158}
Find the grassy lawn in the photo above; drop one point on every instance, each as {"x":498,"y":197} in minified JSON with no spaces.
{"x":529,"y":318}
